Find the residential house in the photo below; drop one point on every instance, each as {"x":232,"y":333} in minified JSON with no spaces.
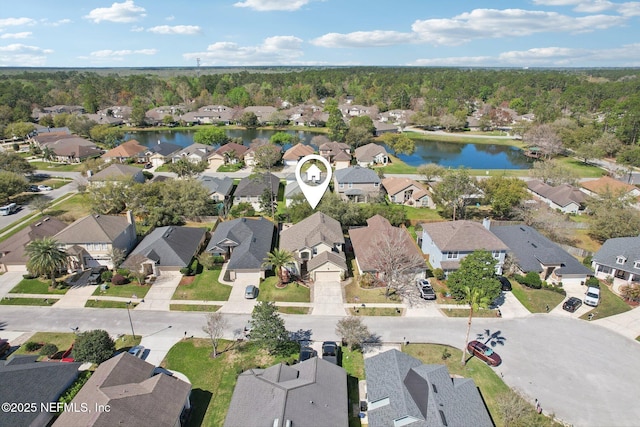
{"x":128,"y":150}
{"x":336,"y":152}
{"x":103,"y":119}
{"x":312,"y":393}
{"x":408,"y":192}
{"x":195,"y":153}
{"x":44,"y":135}
{"x":317,"y":244}
{"x":295,"y":153}
{"x":166,"y":249}
{"x":244,"y":243}
{"x":90,"y":241}
{"x":161,"y":153}
{"x":135,"y":393}
{"x":357,"y":184}
{"x":383,"y":127}
{"x":366,"y":240}
{"x":12,"y":250}
{"x":565,"y":198}
{"x":230,"y":153}
{"x":401,"y":390}
{"x":606,"y":184}
{"x":54,"y":110}
{"x":371,"y":154}
{"x":291,"y":189}
{"x":116,"y":172}
{"x":219,"y":188}
{"x":25,"y":381}
{"x":352,"y":110}
{"x":447,"y":243}
{"x":531,"y":251}
{"x":250,"y":189}
{"x":209,"y":114}
{"x":618,"y":258}
{"x":72,"y":149}
{"x":262,"y":112}
{"x":397,"y":117}
{"x":158,"y":116}
{"x":249,"y":155}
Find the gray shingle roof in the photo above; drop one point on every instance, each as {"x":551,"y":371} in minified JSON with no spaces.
{"x":626,"y":247}
{"x":311,"y":393}
{"x":421,"y":392}
{"x":217,"y":185}
{"x":171,"y":246}
{"x":94,"y":229}
{"x":531,"y":248}
{"x":368,"y":152}
{"x":562,"y":195}
{"x":164,"y":148}
{"x":311,"y":231}
{"x":356,"y":175}
{"x":115,"y":171}
{"x":336,"y":258}
{"x":462,"y":236}
{"x":254,"y":185}
{"x":250,"y":241}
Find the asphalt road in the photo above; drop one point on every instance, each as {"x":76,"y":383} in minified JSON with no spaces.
{"x":583,"y":373}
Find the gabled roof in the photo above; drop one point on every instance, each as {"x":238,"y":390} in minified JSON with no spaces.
{"x":297,"y":151}
{"x":532,"y":250}
{"x":626,"y":247}
{"x":463,"y":236}
{"x":238,"y":148}
{"x":171,"y":246}
{"x":562,"y":195}
{"x":217,"y":185}
{"x":24,"y":379}
{"x":425,"y":393}
{"x":254,"y":185}
{"x":14,"y":246}
{"x":336,"y":258}
{"x":115,"y":171}
{"x":93,"y":228}
{"x":250,"y":240}
{"x":201,"y":150}
{"x":164,"y":148}
{"x":128,"y":148}
{"x":333,"y":147}
{"x":356,"y":175}
{"x":606,"y":183}
{"x":368,"y":152}
{"x":134,"y":395}
{"x":311,"y":231}
{"x":394,"y":185}
{"x":311,"y":393}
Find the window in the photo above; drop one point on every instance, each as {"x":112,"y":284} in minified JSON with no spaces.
{"x":620,"y":260}
{"x":636,"y":264}
{"x":376,"y":184}
{"x":351,"y":185}
{"x":342,"y":185}
{"x":452,"y":255}
{"x":496,"y":254}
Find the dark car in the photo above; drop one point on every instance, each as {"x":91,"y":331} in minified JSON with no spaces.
{"x":4,"y":347}
{"x":425,"y":289}
{"x":505,"y":284}
{"x":330,"y":351}
{"x":307,"y":353}
{"x":33,"y":189}
{"x":572,"y":304}
{"x":484,"y":353}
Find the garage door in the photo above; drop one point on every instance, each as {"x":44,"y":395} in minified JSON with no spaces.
{"x":327,"y":276}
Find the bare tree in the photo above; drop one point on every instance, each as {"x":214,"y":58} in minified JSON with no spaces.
{"x":397,"y":261}
{"x":41,"y":204}
{"x":353,"y":331}
{"x":545,"y":138}
{"x":553,"y":173}
{"x":430,"y":171}
{"x":215,"y":327}
{"x":116,"y":255}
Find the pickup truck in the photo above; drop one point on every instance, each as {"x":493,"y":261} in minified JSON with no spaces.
{"x":425,"y":289}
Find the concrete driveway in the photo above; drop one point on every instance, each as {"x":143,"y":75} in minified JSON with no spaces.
{"x":327,"y":299}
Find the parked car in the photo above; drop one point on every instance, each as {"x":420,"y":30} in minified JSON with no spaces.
{"x":33,"y":189}
{"x":44,"y":188}
{"x":425,"y":289}
{"x":148,"y":165}
{"x":137,"y":351}
{"x":307,"y":353}
{"x":592,"y":297}
{"x":251,"y":292}
{"x":505,"y":284}
{"x":330,"y":351}
{"x":484,"y":353}
{"x":4,"y":347}
{"x":572,"y":304}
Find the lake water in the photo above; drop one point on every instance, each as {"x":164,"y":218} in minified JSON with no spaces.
{"x":447,"y":154}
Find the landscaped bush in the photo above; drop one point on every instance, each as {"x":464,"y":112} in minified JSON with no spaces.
{"x":593,"y":282}
{"x":554,"y":288}
{"x":48,"y":349}
{"x":106,"y":275}
{"x":367,"y":281}
{"x":587,"y":260}
{"x":531,"y":280}
{"x":438,"y":273}
{"x":119,"y":279}
{"x":186,"y":271}
{"x":123,"y":272}
{"x":28,"y":276}
{"x":32,"y":346}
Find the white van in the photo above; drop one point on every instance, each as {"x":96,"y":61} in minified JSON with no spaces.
{"x":8,"y":209}
{"x":592,"y":297}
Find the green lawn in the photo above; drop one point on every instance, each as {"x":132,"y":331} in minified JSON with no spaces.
{"x":25,"y":301}
{"x":294,"y":310}
{"x":353,"y":363}
{"x":75,"y":207}
{"x":293,"y":292}
{"x":124,"y":291}
{"x":36,"y":286}
{"x":204,"y":286}
{"x":580,"y":168}
{"x":51,"y":167}
{"x":464,"y":312}
{"x":375,"y":311}
{"x":234,"y":167}
{"x":194,"y":307}
{"x":356,"y":295}
{"x":105,"y":304}
{"x":213,"y":380}
{"x":398,"y":166}
{"x":536,"y":300}
{"x":418,"y":215}
{"x":610,"y":304}
{"x":486,"y":379}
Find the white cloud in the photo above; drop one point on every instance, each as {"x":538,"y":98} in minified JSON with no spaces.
{"x":375,"y":38}
{"x":273,"y":50}
{"x":188,"y":30}
{"x":137,"y":29}
{"x":12,"y":22}
{"x":594,"y":6}
{"x":120,"y":54}
{"x":23,"y":35}
{"x":455,"y":61}
{"x":170,"y":18}
{"x":23,"y":55}
{"x":630,"y":8}
{"x":123,"y":12}
{"x":271,"y":5}
{"x":59,"y":22}
{"x":493,"y":23}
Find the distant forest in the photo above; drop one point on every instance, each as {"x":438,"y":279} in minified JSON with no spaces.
{"x":606,"y":98}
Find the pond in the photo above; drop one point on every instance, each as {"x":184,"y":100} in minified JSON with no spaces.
{"x":447,"y":154}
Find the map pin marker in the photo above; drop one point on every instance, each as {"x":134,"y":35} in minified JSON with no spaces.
{"x":313,"y":193}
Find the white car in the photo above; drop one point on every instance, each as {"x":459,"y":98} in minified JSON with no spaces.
{"x":44,"y":188}
{"x":592,"y":297}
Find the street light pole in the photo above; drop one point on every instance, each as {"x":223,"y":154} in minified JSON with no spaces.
{"x":130,"y":322}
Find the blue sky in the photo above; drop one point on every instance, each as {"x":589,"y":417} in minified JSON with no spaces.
{"x":478,"y":33}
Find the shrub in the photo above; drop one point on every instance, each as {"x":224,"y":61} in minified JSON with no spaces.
{"x":123,"y":272}
{"x":593,"y":282}
{"x":118,"y":279}
{"x":148,"y":175}
{"x":531,"y":280}
{"x":106,"y":275}
{"x":366,"y":280}
{"x":48,"y":349}
{"x":185,"y":271}
{"x":28,"y":276}
{"x":32,"y":346}
{"x":587,"y":260}
{"x":438,"y":273}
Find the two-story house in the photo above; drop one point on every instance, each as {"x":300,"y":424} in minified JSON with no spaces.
{"x":317,"y":244}
{"x":251,"y":189}
{"x":116,"y":172}
{"x":447,"y":243}
{"x":408,"y":192}
{"x":357,"y":184}
{"x":371,"y":154}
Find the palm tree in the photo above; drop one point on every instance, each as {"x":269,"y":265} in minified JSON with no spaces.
{"x":45,"y":258}
{"x":277,"y":259}
{"x":475,"y":298}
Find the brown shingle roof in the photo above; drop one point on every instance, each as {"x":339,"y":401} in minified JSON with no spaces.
{"x":13,"y":247}
{"x":93,"y":228}
{"x":606,"y":183}
{"x":318,"y":228}
{"x":394,"y":185}
{"x":127,"y":149}
{"x":297,"y":151}
{"x":462,"y":236}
